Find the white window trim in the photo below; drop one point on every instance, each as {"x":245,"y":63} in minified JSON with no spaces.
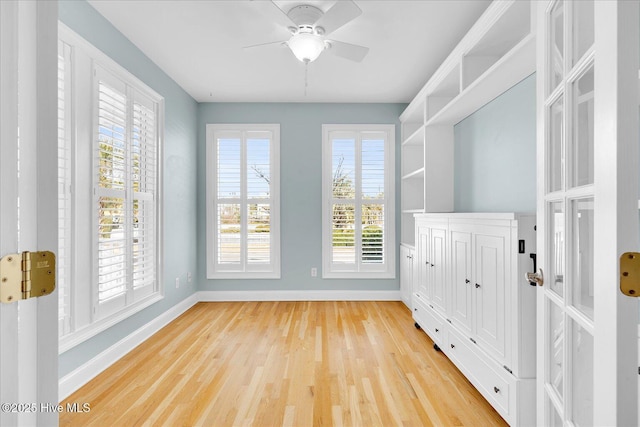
{"x":211,"y":196}
{"x":389,"y":270}
{"x":91,"y":324}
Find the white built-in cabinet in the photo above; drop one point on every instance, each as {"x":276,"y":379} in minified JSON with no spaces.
{"x":472,"y":299}
{"x":467,"y":275}
{"x":431,"y":252}
{"x":407,"y":254}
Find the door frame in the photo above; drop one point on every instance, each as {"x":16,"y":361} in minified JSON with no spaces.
{"x":28,"y":102}
{"x":618,"y":51}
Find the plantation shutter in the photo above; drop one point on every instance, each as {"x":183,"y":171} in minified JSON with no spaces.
{"x":143,"y":179}
{"x":258,"y":206}
{"x":229,"y":198}
{"x":344,"y":211}
{"x":242,"y":202}
{"x":126,"y":193}
{"x":357,"y":170}
{"x":110,"y":190}
{"x":63,"y":262}
{"x":372,"y":184}
{"x":109,"y":177}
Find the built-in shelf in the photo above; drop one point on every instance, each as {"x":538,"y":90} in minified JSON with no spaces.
{"x":513,"y":67}
{"x":496,"y":53}
{"x":416,"y":138}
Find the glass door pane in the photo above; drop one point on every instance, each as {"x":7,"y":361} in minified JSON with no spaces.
{"x":557,"y":44}
{"x":555,"y":420}
{"x":556,"y":145}
{"x":582,"y":147}
{"x":582,"y":259}
{"x":556,"y":349}
{"x":583,"y":28}
{"x":556,"y":239}
{"x":582,"y":375}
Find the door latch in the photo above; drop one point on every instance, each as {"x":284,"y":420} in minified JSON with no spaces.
{"x":537,"y":278}
{"x":27,"y":275}
{"x":630,"y":274}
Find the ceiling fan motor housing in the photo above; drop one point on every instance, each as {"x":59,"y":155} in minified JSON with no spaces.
{"x":305,"y":15}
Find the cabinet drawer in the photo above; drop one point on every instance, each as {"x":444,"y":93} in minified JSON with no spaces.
{"x":482,"y":374}
{"x":429,"y":321}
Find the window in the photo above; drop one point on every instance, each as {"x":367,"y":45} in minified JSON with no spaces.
{"x":243,"y":220}
{"x":359,"y":203}
{"x":109,"y":140}
{"x":125,"y":185}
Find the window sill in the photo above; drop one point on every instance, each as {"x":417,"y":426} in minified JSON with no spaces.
{"x":81,"y":335}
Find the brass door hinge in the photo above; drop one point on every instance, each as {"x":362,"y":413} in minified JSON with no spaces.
{"x":27,"y":275}
{"x":630,"y":274}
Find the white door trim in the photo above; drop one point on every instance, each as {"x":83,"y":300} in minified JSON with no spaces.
{"x":617,"y":231}
{"x":28,"y":94}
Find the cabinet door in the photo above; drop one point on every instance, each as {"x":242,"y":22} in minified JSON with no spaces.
{"x":461,"y":284}
{"x":489,"y":289}
{"x":437,"y":269}
{"x":406,"y":274}
{"x":422,"y":269}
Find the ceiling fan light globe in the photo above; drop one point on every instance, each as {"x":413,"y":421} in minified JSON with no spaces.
{"x":306,"y":47}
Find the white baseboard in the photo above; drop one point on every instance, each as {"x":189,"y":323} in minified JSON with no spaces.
{"x":83,"y":374}
{"x":317,"y":295}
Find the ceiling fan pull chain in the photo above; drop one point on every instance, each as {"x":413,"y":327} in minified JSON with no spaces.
{"x":306,"y":75}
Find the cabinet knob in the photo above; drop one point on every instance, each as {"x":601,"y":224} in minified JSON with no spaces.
{"x":431,"y":265}
{"x":477,"y":285}
{"x":496,"y":389}
{"x":437,"y":330}
{"x":453,"y":346}
{"x":467,"y":281}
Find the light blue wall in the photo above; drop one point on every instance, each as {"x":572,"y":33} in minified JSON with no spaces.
{"x":184,"y":170}
{"x":300,"y":183}
{"x":494,"y":160}
{"x":179,"y":160}
{"x":495,"y":154}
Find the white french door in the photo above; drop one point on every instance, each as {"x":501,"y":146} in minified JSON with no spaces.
{"x":587,"y":99}
{"x":28,"y":205}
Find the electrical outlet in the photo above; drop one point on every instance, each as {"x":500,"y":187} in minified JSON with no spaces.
{"x":177,"y":282}
{"x":189,"y":278}
{"x":314,"y":272}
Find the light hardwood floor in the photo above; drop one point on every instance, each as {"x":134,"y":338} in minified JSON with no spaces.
{"x":284,"y":363}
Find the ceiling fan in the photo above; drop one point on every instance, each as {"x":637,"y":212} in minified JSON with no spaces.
{"x":309,"y":27}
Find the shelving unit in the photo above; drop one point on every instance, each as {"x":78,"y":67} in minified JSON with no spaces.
{"x":496,"y":53}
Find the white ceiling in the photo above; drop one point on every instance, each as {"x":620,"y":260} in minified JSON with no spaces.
{"x":200,"y":45}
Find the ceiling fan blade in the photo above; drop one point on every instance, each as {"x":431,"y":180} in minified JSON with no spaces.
{"x":282,"y":42}
{"x":349,"y":51}
{"x":280,"y":16}
{"x":340,"y":13}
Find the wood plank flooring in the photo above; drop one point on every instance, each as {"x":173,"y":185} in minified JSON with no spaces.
{"x":284,"y":364}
